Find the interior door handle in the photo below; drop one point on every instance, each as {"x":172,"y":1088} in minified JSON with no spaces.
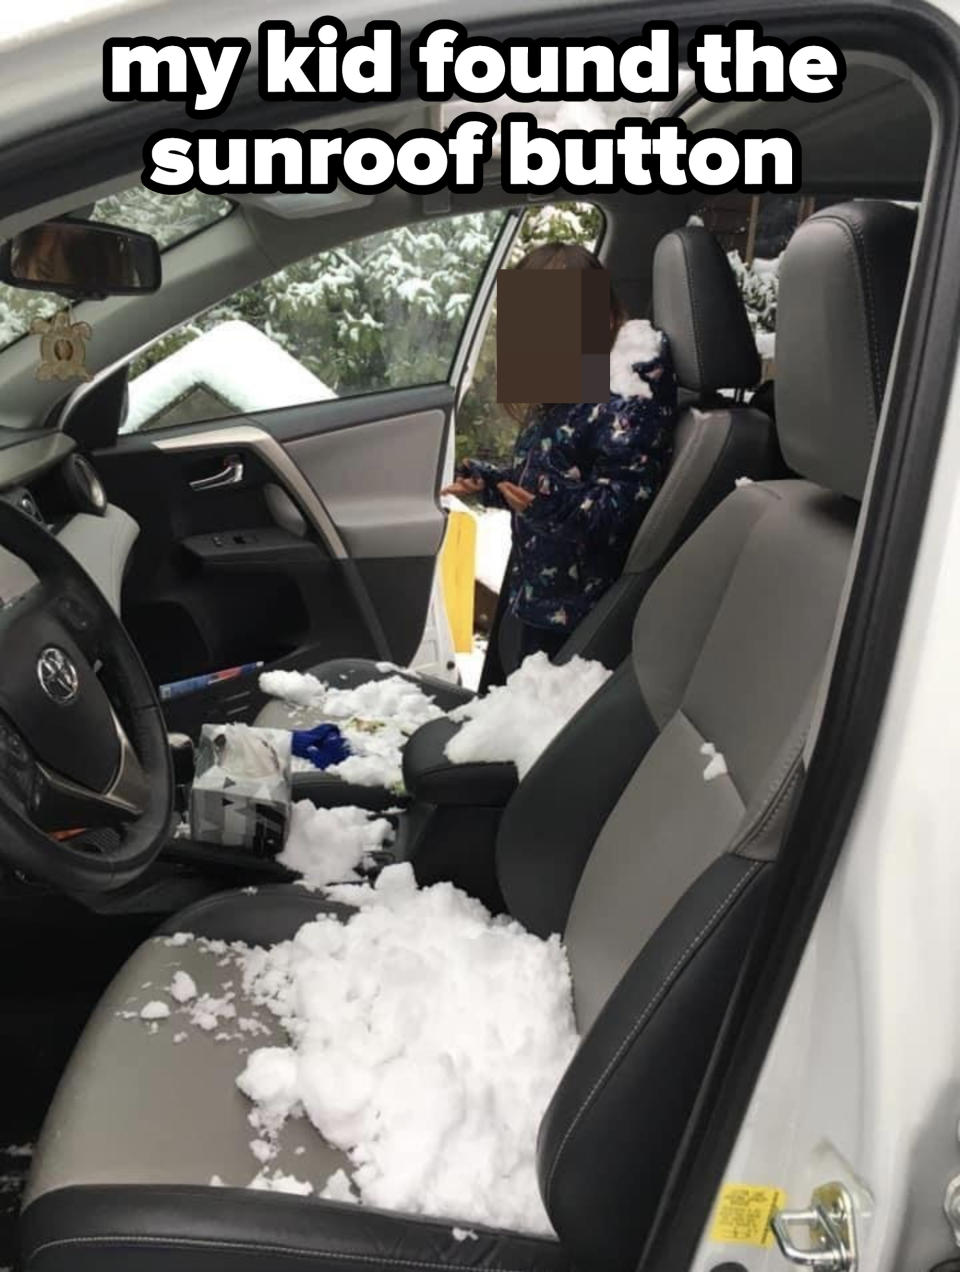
{"x":230,"y":475}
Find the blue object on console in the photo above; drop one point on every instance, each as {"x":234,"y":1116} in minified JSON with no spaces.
{"x":322,"y":746}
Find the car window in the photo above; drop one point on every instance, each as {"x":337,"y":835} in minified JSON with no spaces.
{"x":170,"y":218}
{"x":382,"y":312}
{"x":754,"y":231}
{"x":484,"y":429}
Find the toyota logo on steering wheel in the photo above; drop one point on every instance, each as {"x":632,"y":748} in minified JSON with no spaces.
{"x":58,"y":676}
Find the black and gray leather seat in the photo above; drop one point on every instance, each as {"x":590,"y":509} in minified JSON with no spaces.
{"x":654,"y":875}
{"x":697,"y":304}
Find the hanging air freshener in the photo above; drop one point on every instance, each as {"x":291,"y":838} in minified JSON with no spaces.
{"x":63,"y":347}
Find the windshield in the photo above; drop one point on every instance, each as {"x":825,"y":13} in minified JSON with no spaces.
{"x":170,"y":218}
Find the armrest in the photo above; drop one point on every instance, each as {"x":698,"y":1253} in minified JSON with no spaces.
{"x":431,"y":778}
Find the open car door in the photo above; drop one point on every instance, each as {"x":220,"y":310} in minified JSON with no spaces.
{"x":289,"y":534}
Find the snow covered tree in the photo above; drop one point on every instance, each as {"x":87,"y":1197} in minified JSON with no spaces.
{"x":758,"y":284}
{"x":380,"y":312}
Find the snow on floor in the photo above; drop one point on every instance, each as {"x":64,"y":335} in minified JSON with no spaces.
{"x":436,"y":1106}
{"x":327,"y":845}
{"x":376,"y":718}
{"x":517,"y":721}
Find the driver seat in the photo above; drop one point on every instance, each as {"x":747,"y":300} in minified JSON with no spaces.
{"x":670,"y":873}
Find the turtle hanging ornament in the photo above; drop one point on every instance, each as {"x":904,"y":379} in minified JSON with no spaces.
{"x":63,"y":347}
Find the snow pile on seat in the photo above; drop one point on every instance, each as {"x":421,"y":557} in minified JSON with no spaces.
{"x":518,"y":721}
{"x":326,"y":845}
{"x":426,"y":1039}
{"x":376,"y":718}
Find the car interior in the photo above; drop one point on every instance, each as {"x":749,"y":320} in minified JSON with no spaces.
{"x":304,"y":537}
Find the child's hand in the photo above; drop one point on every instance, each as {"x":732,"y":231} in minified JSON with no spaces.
{"x":515,"y":497}
{"x":464,"y":486}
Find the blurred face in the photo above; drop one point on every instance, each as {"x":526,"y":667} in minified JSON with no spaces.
{"x":553,"y":335}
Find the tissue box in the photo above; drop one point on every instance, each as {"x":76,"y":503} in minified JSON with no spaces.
{"x":241,"y":789}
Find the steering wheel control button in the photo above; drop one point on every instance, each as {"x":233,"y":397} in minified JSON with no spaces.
{"x":58,"y":675}
{"x":16,"y":764}
{"x":74,"y":614}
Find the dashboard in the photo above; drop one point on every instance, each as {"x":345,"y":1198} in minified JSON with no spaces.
{"x":48,"y":479}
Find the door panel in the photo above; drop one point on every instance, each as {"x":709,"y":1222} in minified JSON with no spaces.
{"x":378,"y":482}
{"x":325,"y":546}
{"x":293,"y":535}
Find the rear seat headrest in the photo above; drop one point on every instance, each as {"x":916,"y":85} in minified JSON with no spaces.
{"x":842,"y":281}
{"x":697,"y":303}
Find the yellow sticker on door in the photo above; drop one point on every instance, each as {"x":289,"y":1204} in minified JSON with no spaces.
{"x":744,"y":1212}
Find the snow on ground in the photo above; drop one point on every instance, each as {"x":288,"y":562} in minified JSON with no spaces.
{"x":517,"y":721}
{"x":235,"y":361}
{"x":436,"y":1106}
{"x":326,"y":845}
{"x":376,"y":719}
{"x":470,"y":666}
{"x":766,"y":343}
{"x":494,"y":540}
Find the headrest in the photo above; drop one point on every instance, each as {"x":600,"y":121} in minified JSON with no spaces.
{"x":696,"y":302}
{"x":842,"y":280}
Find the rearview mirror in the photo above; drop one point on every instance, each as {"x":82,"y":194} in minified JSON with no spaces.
{"x":81,"y":259}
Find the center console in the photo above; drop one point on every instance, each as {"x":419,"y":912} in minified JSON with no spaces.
{"x":449,"y":831}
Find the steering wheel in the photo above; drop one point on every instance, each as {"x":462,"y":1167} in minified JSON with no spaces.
{"x":83,"y":744}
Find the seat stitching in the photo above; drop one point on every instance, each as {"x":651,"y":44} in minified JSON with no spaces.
{"x":685,"y":716}
{"x":198,"y":909}
{"x":694,"y":314}
{"x":874,"y":339}
{"x":873,"y":342}
{"x":740,"y":846}
{"x":857,"y":251}
{"x":253,"y":1246}
{"x":641,"y":1020}
{"x":677,"y":471}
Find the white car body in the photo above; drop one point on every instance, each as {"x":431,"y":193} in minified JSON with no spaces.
{"x":862,"y":1083}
